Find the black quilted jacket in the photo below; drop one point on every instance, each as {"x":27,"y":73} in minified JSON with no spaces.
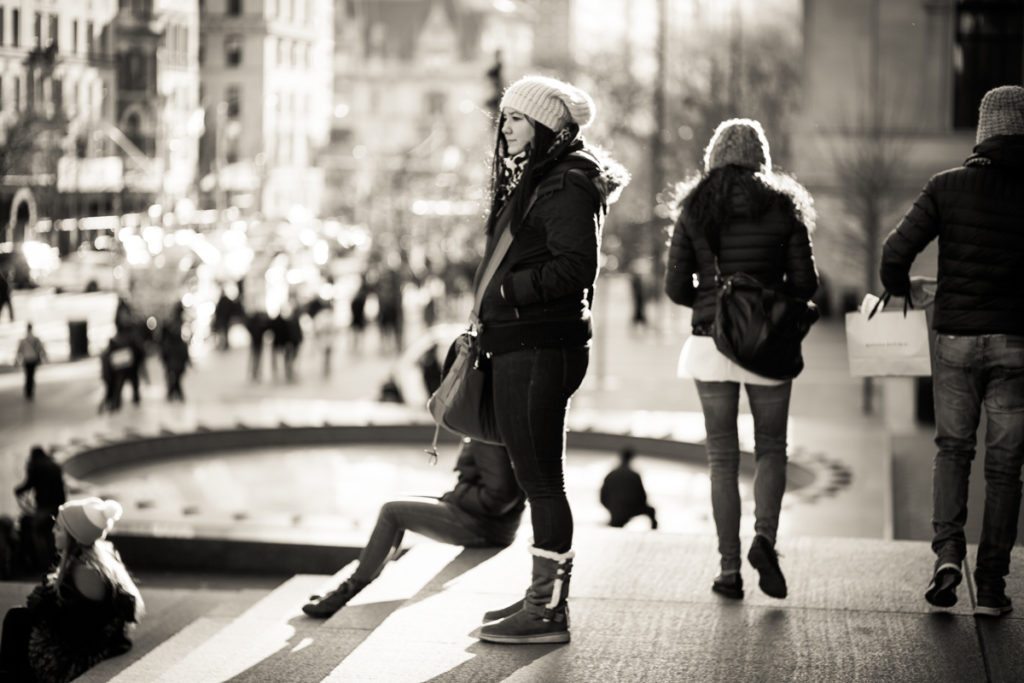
{"x":977,"y":213}
{"x":762,"y":234}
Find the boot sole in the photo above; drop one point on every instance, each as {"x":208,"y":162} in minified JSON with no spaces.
{"x":991,"y":611}
{"x":539,"y":639}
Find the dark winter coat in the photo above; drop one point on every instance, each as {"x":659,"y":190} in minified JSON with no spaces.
{"x":977,"y":213}
{"x":762,"y":226}
{"x":541,"y":295}
{"x":487,"y":489}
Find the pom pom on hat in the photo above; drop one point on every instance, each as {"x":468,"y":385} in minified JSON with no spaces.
{"x":549,"y":101}
{"x":88,"y":520}
{"x":1001,"y":112}
{"x":738,"y":142}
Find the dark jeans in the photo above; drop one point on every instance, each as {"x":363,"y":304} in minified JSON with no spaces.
{"x":971,"y":371}
{"x":30,"y":380}
{"x":430,"y":517}
{"x":17,"y":629}
{"x":532,"y":389}
{"x":770,"y":407}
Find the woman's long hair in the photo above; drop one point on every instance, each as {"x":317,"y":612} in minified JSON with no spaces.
{"x":537,"y":162}
{"x":705,"y":199}
{"x":102,"y":557}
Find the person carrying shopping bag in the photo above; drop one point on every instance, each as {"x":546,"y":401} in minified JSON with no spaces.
{"x":740,"y":216}
{"x":977,"y":213}
{"x":552,"y":190}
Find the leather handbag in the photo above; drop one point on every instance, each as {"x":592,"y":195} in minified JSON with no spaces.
{"x":758,"y":328}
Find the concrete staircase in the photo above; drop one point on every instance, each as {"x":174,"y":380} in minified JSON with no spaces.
{"x":642,"y":611}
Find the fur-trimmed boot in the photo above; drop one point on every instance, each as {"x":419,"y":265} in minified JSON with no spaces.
{"x":544,"y":616}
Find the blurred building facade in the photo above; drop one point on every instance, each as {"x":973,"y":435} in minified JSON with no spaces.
{"x":97,"y":105}
{"x":411,"y":131}
{"x":266,"y":71}
{"x":891,"y":95}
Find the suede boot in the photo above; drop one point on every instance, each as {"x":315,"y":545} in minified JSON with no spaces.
{"x":499,"y":614}
{"x":322,"y":607}
{"x":544,"y":616}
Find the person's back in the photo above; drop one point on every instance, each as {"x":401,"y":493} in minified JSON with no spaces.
{"x":977,"y":214}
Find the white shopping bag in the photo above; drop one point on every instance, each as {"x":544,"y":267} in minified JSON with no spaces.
{"x":889,"y":344}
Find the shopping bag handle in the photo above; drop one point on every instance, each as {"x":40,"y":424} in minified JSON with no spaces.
{"x":907,"y":304}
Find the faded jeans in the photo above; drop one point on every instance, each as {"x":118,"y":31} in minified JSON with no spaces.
{"x":532,"y":389}
{"x":431,"y":517}
{"x":770,"y":408}
{"x":971,"y":371}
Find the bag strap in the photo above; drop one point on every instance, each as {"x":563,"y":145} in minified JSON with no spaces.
{"x":500,"y":249}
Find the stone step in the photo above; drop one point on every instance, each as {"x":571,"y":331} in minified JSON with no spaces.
{"x":643,"y":611}
{"x":322,"y":645}
{"x":158,"y":646}
{"x":261,"y":631}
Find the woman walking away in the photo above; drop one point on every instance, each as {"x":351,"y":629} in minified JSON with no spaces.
{"x":82,"y":612}
{"x":757,"y":221}
{"x":551,"y":191}
{"x":483,"y":510}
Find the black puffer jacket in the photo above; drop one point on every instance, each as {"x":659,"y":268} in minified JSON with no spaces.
{"x":977,"y":212}
{"x":763,"y":231}
{"x":487,"y":489}
{"x":541,"y":294}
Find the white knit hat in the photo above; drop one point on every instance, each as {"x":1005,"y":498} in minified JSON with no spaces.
{"x":89,"y":519}
{"x":549,"y":101}
{"x":738,"y":142}
{"x":1001,"y":112}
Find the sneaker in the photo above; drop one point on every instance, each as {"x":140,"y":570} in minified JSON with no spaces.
{"x":765,"y":560}
{"x":729,"y":585}
{"x":941,"y":591}
{"x":325,"y":606}
{"x":992,"y":603}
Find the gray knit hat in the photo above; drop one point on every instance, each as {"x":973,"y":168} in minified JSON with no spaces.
{"x":549,"y":101}
{"x":1001,"y":113}
{"x":738,"y":142}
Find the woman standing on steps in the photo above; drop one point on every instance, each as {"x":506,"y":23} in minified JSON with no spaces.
{"x":535,"y":319}
{"x":756,"y":221}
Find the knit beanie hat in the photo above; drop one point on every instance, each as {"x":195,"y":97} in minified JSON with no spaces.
{"x":89,"y":519}
{"x":549,"y":101}
{"x":1001,"y":113}
{"x":738,"y":142}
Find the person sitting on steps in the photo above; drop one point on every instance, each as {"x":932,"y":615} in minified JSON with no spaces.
{"x":483,"y":510}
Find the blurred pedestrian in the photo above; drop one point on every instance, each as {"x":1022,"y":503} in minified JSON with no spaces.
{"x":137,"y":371}
{"x":358,"y":310}
{"x":5,"y":295}
{"x":746,"y":217}
{"x":116,"y":364}
{"x":279,"y":342}
{"x":175,"y":357}
{"x":550,"y":193}
{"x":977,"y":213}
{"x":293,"y":342}
{"x":483,"y":510}
{"x":222,"y":314}
{"x":324,"y":332}
{"x":390,"y":319}
{"x":39,"y":496}
{"x":82,"y":612}
{"x":256,"y":323}
{"x":638,"y":295}
{"x":30,"y":354}
{"x":623,"y":493}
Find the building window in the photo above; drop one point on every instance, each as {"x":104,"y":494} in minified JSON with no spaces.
{"x":15,"y":27}
{"x":233,"y":97}
{"x":233,"y":50}
{"x":1,"y":86}
{"x":234,"y":8}
{"x":988,"y":51}
{"x":74,"y":36}
{"x":3,"y":14}
{"x":38,"y":29}
{"x":17,"y":93}
{"x":54,"y":32}
{"x":282,"y":58}
{"x":90,"y":39}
